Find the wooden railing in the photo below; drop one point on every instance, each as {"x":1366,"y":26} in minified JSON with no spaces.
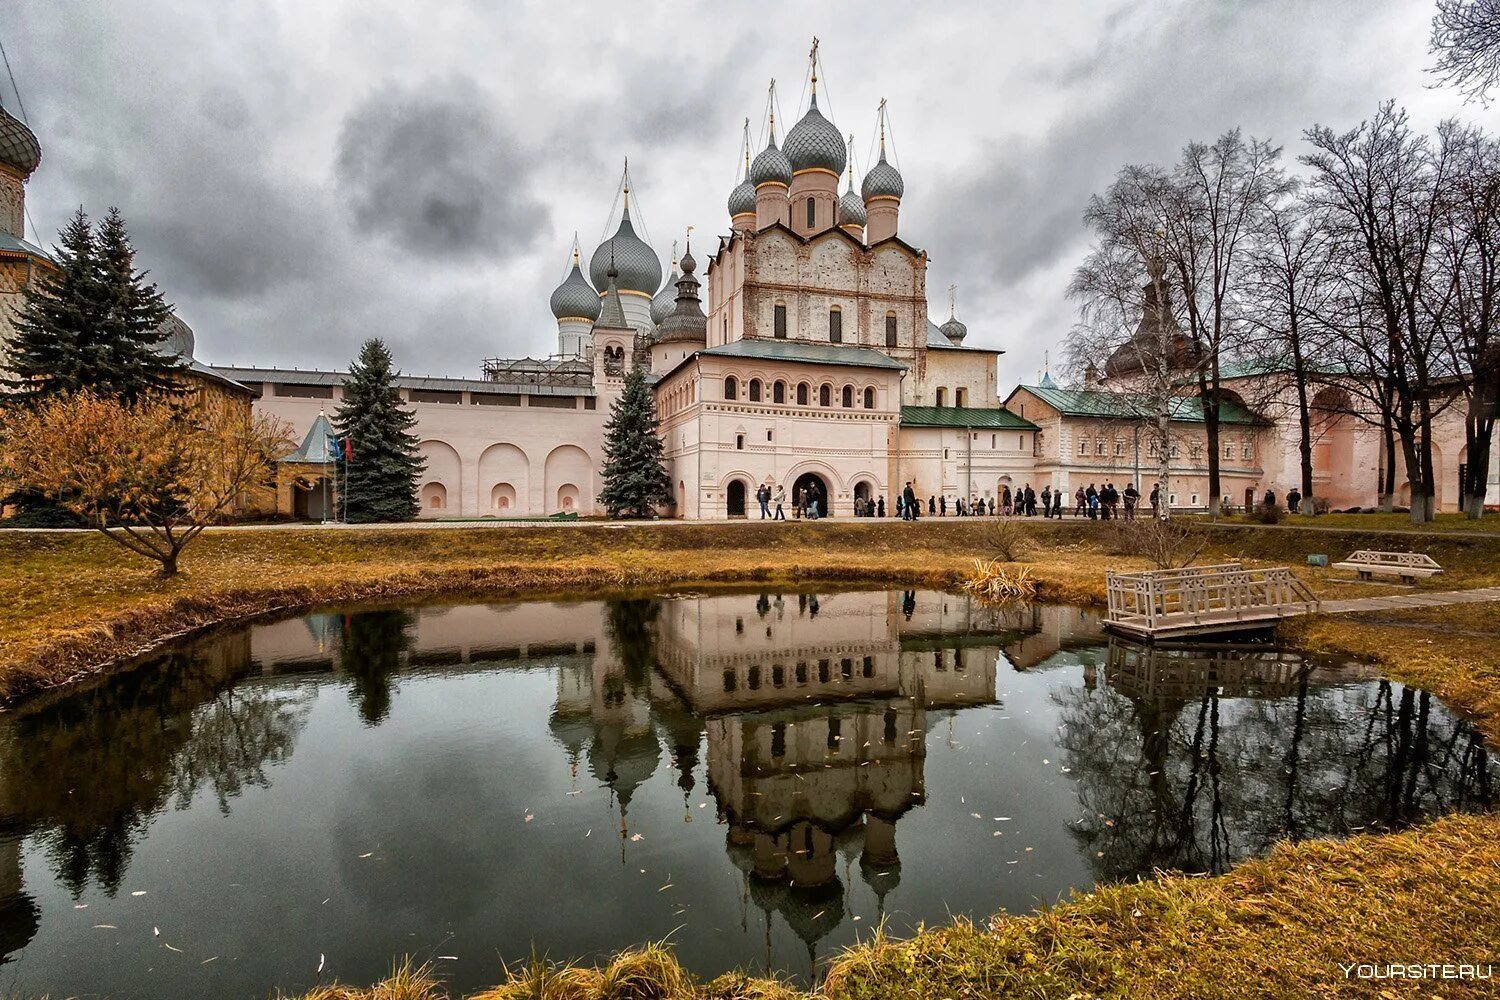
{"x":1205,"y":595}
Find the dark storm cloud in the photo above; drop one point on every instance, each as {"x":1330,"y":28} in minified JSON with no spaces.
{"x":300,"y":177}
{"x":433,"y":169}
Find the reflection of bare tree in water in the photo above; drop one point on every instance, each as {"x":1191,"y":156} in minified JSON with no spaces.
{"x":1197,"y":784}
{"x":373,"y":648}
{"x":84,"y":776}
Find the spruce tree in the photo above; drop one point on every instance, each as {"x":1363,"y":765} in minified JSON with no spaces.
{"x":382,"y":474}
{"x":93,"y":324}
{"x":635,"y":480}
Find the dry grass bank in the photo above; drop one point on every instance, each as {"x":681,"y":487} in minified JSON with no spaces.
{"x":1279,"y":926}
{"x":72,"y":604}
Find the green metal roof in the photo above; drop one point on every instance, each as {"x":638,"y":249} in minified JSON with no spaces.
{"x":1134,"y":406}
{"x":964,"y":416}
{"x":14,"y":245}
{"x":793,"y":350}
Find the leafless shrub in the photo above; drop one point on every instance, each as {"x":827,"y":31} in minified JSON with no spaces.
{"x":1008,"y":541}
{"x":1166,"y":544}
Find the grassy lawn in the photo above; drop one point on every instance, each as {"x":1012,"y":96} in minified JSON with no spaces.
{"x":71,"y":604}
{"x":1489,"y":524}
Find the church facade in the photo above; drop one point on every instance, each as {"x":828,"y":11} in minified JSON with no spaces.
{"x":813,"y":366}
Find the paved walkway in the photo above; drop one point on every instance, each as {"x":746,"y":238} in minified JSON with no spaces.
{"x":1395,"y":601}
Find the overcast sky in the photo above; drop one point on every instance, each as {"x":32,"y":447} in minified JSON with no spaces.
{"x":300,"y":175}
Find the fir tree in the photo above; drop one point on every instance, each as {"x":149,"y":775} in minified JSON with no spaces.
{"x":382,"y":478}
{"x":635,"y":480}
{"x":93,"y":324}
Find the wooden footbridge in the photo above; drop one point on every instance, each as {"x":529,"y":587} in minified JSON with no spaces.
{"x":1204,"y":600}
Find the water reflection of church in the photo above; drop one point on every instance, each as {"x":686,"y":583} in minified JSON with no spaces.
{"x":812,"y":711}
{"x":808,"y":716}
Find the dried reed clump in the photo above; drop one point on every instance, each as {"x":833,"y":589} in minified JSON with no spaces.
{"x":406,"y":982}
{"x":993,"y":582}
{"x":651,"y":972}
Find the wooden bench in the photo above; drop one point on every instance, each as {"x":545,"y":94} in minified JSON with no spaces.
{"x":1409,"y":566}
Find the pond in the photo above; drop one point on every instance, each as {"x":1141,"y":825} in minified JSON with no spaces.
{"x":762,"y":778}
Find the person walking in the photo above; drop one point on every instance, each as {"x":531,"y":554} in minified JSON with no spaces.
{"x":943,"y":505}
{"x":1156,"y":500}
{"x":813,"y":496}
{"x":908,"y":501}
{"x":1047,"y":501}
{"x":880,"y":506}
{"x":763,"y":497}
{"x":932,"y":506}
{"x":1270,"y":500}
{"x":1293,"y":500}
{"x":1081,"y":502}
{"x":1132,"y":497}
{"x":1092,"y":495}
{"x":779,"y":497}
{"x":1057,"y":503}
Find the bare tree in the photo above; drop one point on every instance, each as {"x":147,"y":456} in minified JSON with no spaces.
{"x":1290,"y":289}
{"x":1109,"y":286}
{"x":1212,"y":210}
{"x":1466,"y":40}
{"x":1470,"y":268}
{"x":1381,"y":185}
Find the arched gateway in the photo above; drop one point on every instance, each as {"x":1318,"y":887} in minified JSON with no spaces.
{"x":825,"y":496}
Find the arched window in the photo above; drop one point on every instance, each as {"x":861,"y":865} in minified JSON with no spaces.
{"x":755,"y":390}
{"x":960,"y":397}
{"x":731,"y":388}
{"x":778,"y":392}
{"x":811,"y":216}
{"x":942,"y":396}
{"x":802,"y":391}
{"x":835,"y":326}
{"x":825,"y":395}
{"x":890,"y":329}
{"x":1083,"y":446}
{"x":848,"y":396}
{"x":869,"y":397}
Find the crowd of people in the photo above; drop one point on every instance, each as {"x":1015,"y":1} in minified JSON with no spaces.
{"x":1105,"y":502}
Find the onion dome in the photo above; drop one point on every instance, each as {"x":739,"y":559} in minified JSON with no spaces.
{"x":666,"y":299}
{"x":575,"y":298}
{"x":176,"y":339}
{"x":742,"y":198}
{"x":851,"y":209}
{"x":640,"y":270}
{"x":883,"y":181}
{"x":814,"y":144}
{"x":771,"y":166}
{"x":19,"y":149}
{"x":954,"y":330}
{"x":686,"y":321}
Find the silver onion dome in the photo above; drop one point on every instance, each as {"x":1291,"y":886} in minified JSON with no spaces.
{"x":637,"y":263}
{"x":575,"y":298}
{"x":666,"y":299}
{"x":883,"y":181}
{"x":177,"y":339}
{"x":814,"y":144}
{"x":742,"y":198}
{"x":19,"y":148}
{"x":851,"y":209}
{"x":954,"y":330}
{"x":771,"y":166}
